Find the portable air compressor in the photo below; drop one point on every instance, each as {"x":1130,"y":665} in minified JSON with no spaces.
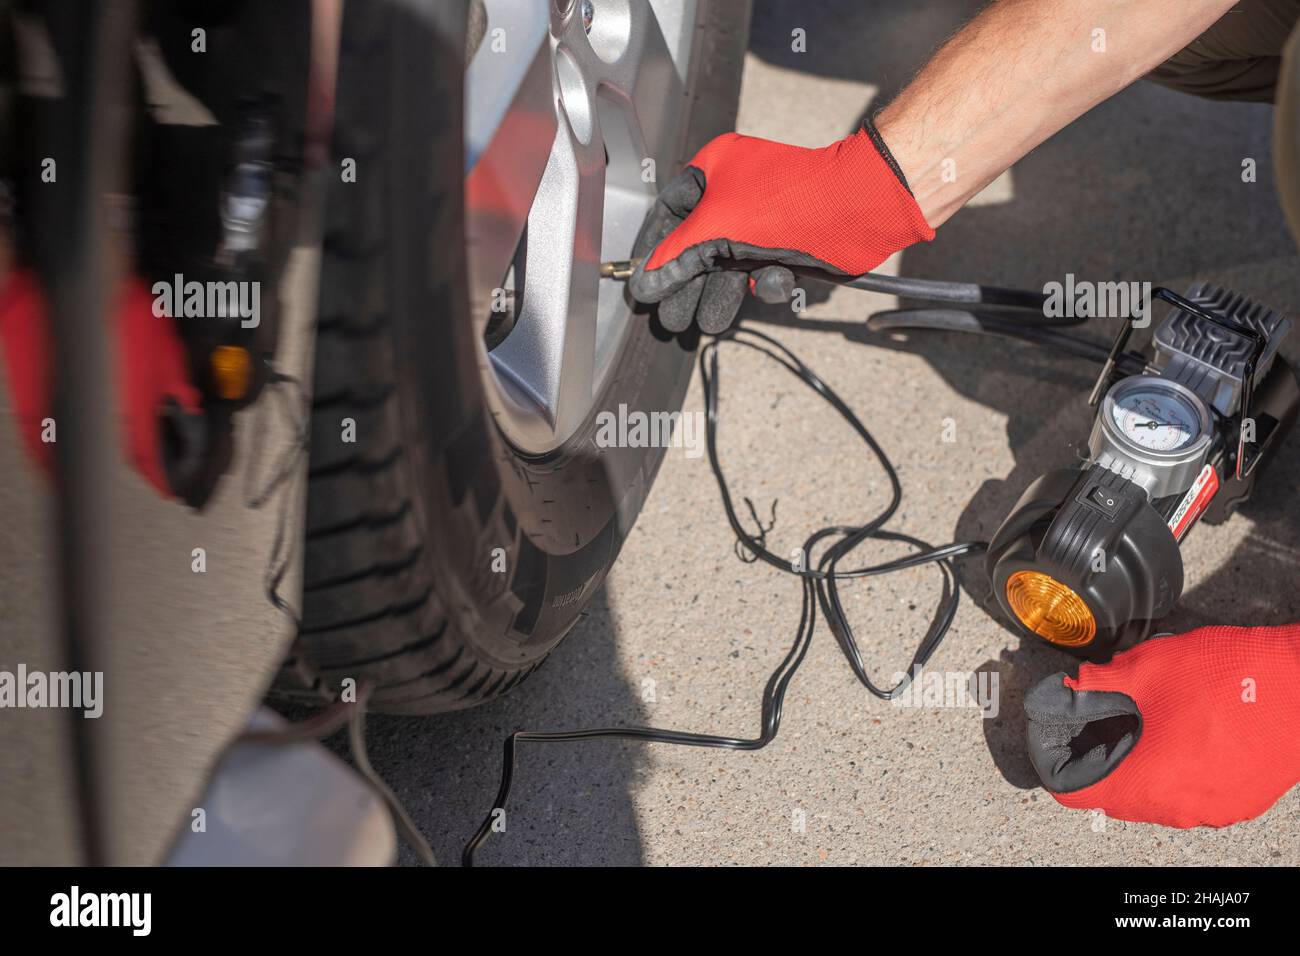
{"x":1090,"y":556}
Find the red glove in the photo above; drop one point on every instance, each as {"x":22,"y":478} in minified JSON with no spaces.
{"x":153,"y":379}
{"x":24,"y":336}
{"x":1201,"y":729}
{"x":151,"y":371}
{"x":844,"y":208}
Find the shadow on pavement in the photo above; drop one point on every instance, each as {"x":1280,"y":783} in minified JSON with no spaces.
{"x":571,"y":803}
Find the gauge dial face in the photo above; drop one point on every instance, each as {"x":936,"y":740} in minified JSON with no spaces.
{"x":1155,"y":419}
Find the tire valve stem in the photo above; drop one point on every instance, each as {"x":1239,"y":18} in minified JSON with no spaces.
{"x":620,"y":269}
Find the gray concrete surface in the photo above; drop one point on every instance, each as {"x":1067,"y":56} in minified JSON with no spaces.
{"x":1147,"y":186}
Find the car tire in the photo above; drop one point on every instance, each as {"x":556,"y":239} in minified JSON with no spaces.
{"x":441,"y":565}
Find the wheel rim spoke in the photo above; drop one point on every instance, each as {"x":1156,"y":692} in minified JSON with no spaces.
{"x":553,"y":342}
{"x":510,"y":119}
{"x":643,"y":82}
{"x":614,"y":97}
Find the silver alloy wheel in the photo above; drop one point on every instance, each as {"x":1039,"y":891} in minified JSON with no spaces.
{"x":572,"y":113}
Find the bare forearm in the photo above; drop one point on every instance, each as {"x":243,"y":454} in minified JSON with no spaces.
{"x":1015,"y":75}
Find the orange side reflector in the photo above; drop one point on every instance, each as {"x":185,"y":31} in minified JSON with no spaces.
{"x":232,"y":371}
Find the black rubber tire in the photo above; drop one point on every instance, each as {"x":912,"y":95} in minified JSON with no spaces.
{"x":402,"y":523}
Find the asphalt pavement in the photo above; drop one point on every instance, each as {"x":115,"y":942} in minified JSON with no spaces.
{"x":1146,"y":186}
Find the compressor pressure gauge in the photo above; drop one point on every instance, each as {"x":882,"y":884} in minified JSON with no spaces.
{"x":1153,"y":417}
{"x":1153,"y":431}
{"x":1090,"y":556}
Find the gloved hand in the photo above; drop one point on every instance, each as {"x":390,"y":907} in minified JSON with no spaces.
{"x":154,"y":381}
{"x":1199,"y":729}
{"x":844,"y":208}
{"x":24,"y":342}
{"x":152,"y":377}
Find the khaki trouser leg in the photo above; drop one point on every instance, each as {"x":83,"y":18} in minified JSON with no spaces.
{"x":1238,"y":57}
